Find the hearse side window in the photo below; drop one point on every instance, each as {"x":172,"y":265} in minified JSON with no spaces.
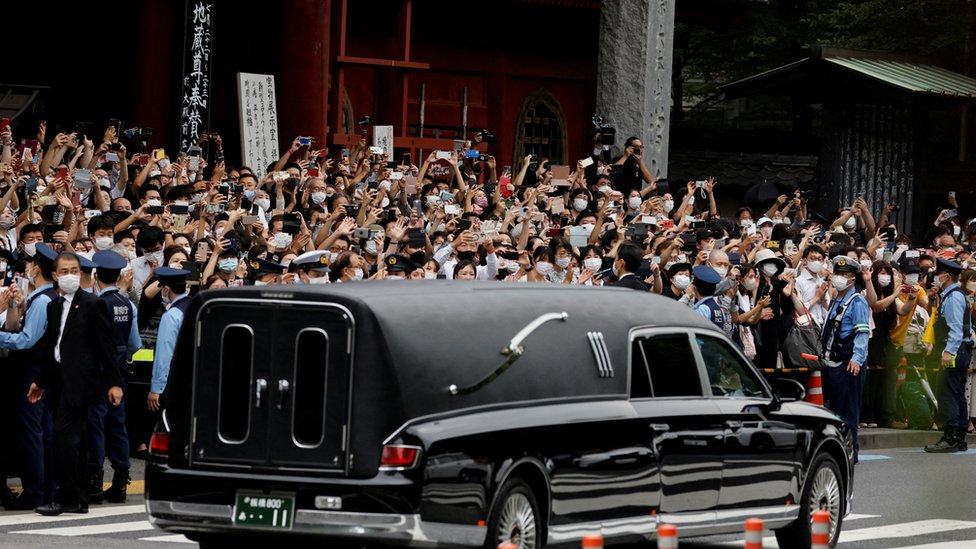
{"x":311,"y":374}
{"x":236,"y":359}
{"x":728,"y":375}
{"x":671,"y":363}
{"x":640,"y":378}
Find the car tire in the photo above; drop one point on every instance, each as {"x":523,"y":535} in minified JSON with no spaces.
{"x":823,"y":489}
{"x":515,"y":518}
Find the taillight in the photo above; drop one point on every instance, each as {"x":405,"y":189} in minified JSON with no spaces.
{"x":398,"y":456}
{"x":159,"y":444}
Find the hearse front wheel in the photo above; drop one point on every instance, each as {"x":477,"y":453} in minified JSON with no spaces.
{"x":515,"y":518}
{"x":823,"y":491}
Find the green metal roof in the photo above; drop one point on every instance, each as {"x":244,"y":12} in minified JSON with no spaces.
{"x":911,"y":76}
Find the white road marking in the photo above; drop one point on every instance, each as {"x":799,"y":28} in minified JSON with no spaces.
{"x":91,"y":530}
{"x":173,"y":538}
{"x":94,"y":512}
{"x":905,"y":530}
{"x":960,"y":544}
{"x":855,"y":516}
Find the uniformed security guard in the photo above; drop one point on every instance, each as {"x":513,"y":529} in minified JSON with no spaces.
{"x":705,"y":282}
{"x":107,"y":434}
{"x":172,"y":283}
{"x":263,"y":272}
{"x":398,"y":267}
{"x":312,"y":267}
{"x":29,"y":351}
{"x":845,"y":344}
{"x":952,"y":335}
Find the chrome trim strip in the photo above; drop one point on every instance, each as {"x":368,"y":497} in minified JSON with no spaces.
{"x":602,"y":345}
{"x":200,"y":517}
{"x":597,"y":355}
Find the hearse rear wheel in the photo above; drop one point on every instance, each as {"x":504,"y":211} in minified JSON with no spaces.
{"x":824,"y":490}
{"x":515,"y":518}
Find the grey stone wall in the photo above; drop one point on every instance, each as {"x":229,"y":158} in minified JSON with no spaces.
{"x":634,"y":76}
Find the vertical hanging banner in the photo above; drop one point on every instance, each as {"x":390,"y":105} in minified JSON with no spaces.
{"x":197,"y":47}
{"x":259,"y":120}
{"x":383,"y":138}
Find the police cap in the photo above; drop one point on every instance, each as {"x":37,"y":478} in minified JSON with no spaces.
{"x":844,"y":264}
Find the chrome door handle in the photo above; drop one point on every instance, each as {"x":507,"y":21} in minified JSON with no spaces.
{"x":260,"y":386}
{"x":660,"y":427}
{"x":733,"y":425}
{"x":283,"y":387}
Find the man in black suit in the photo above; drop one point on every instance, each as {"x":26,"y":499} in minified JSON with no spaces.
{"x":83,"y":363}
{"x":629,"y":257}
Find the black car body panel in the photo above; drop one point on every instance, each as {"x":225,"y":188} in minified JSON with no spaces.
{"x":565,"y":412}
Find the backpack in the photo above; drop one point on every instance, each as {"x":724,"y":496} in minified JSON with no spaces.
{"x":914,"y":406}
{"x":916,"y":329}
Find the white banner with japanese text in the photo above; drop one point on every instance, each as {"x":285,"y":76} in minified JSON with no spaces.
{"x":197,"y":48}
{"x":259,"y":120}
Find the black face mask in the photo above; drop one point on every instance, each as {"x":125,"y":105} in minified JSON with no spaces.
{"x":465,"y":256}
{"x":419,"y":258}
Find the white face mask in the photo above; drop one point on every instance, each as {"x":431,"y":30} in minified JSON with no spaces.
{"x":385,"y":202}
{"x":318,"y":198}
{"x":745,"y":222}
{"x":395,"y":277}
{"x":911,"y":279}
{"x":282,"y":240}
{"x":767,"y":232}
{"x":319,"y":280}
{"x":603,"y":189}
{"x":850,"y":223}
{"x":956,"y":230}
{"x":103,"y":243}
{"x":668,"y":205}
{"x":263,"y":203}
{"x":865,"y":263}
{"x":840,"y":282}
{"x":156,"y":257}
{"x":815,"y":267}
{"x":370,"y":247}
{"x":544,"y":267}
{"x":579,"y":204}
{"x":937,"y":281}
{"x":69,"y":284}
{"x":634,"y":202}
{"x":592,"y":263}
{"x":884,"y":280}
{"x":770,"y":269}
{"x":722,"y":271}
{"x":681,"y":281}
{"x":563,"y":262}
{"x":429,"y":275}
{"x":260,"y":283}
{"x":30,"y":249}
{"x":749,"y":284}
{"x":357,"y":274}
{"x":511,"y":266}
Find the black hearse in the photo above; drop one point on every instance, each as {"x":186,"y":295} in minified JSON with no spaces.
{"x":468,"y":414}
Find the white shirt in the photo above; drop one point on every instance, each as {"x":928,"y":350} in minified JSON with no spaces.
{"x":65,"y":309}
{"x":806,"y":285}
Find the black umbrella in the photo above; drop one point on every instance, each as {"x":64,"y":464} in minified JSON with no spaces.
{"x":761,"y":193}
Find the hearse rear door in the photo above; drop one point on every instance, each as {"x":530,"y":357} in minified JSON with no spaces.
{"x":271,"y":385}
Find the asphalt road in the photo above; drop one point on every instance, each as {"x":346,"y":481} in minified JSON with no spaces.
{"x":904,"y":499}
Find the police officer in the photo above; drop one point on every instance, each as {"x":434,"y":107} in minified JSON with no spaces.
{"x":398,"y":267}
{"x":172,"y":283}
{"x":845,"y":344}
{"x":706,"y":281}
{"x":106,"y":424}
{"x":264,"y":272}
{"x":29,"y":351}
{"x":952,"y":336}
{"x":312,"y":267}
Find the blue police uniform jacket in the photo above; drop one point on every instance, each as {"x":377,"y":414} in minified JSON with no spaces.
{"x":125,"y":325}
{"x":850,"y":343}
{"x":952,"y":325}
{"x":169,"y":329}
{"x":711,"y":310}
{"x":28,"y":345}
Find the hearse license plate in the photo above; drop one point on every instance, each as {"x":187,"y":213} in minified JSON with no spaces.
{"x":256,"y":510}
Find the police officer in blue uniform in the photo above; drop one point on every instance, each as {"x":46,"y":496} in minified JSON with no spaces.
{"x":172,"y":283}
{"x":29,"y":351}
{"x":107,"y":435}
{"x":953,"y":328}
{"x":845,"y":344}
{"x":706,"y":281}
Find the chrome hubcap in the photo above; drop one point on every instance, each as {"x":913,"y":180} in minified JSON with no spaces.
{"x":516,"y":524}
{"x":825,"y":496}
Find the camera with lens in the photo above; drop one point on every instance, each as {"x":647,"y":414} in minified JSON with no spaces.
{"x":806,"y":194}
{"x":485,"y":136}
{"x":603,"y":133}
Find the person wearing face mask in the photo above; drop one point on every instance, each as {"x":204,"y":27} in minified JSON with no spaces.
{"x":30,"y":236}
{"x":101,"y":229}
{"x":265,"y":273}
{"x":107,"y":435}
{"x":705,"y":283}
{"x":29,"y":352}
{"x":172,"y":283}
{"x":810,"y":284}
{"x":953,"y":340}
{"x":765,"y":226}
{"x":844,"y":344}
{"x":150,"y":240}
{"x":348,"y":267}
{"x":772,"y":328}
{"x":628,"y":260}
{"x":679,"y":278}
{"x":879,"y":392}
{"x":312,"y":267}
{"x":719,"y":262}
{"x":83,"y":367}
{"x":398,"y":267}
{"x":8,"y":222}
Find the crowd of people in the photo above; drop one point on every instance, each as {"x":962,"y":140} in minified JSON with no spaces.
{"x":148,"y":229}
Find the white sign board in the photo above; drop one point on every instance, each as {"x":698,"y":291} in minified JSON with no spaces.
{"x":259,"y":121}
{"x":383,"y":137}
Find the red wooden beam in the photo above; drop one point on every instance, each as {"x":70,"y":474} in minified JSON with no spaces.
{"x":342,"y":28}
{"x":382,"y":62}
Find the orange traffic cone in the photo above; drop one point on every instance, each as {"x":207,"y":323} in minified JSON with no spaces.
{"x":754,"y":533}
{"x":508,"y":546}
{"x":667,"y":536}
{"x":820,"y":530}
{"x":815,"y":389}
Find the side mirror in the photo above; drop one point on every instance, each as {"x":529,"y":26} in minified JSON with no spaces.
{"x":789,"y":390}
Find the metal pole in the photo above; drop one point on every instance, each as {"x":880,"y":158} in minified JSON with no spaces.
{"x":423,"y":106}
{"x":464,"y":113}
